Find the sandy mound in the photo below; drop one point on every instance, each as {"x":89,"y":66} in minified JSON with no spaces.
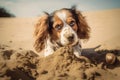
{"x":62,"y":65}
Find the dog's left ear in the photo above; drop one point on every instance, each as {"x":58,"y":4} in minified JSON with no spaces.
{"x":83,"y":28}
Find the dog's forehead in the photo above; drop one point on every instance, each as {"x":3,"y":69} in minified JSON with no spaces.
{"x":63,"y":14}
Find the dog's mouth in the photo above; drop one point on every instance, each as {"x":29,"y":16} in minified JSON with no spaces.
{"x":71,"y":39}
{"x":73,"y":43}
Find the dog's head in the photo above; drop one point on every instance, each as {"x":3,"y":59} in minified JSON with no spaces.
{"x":64,"y":26}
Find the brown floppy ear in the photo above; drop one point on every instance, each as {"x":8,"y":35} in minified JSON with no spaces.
{"x":41,"y":33}
{"x":83,"y":28}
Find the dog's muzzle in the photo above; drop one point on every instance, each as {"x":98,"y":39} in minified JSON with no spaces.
{"x":68,"y":36}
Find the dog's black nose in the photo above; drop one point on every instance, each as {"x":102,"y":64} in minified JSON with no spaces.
{"x":71,"y":37}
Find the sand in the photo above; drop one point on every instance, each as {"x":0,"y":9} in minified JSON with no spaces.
{"x":19,"y":61}
{"x":104,"y":28}
{"x":62,"y":65}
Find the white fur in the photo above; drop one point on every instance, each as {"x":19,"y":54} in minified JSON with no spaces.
{"x":62,"y":15}
{"x":48,"y":48}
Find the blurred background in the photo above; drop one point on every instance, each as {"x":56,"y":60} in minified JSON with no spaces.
{"x":103,"y":17}
{"x":32,"y":8}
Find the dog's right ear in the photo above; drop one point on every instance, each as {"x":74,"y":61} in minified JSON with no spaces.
{"x":41,"y":33}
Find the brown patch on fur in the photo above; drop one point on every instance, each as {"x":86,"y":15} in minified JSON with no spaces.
{"x":57,"y":21}
{"x":56,"y":35}
{"x":55,"y":32}
{"x":69,"y":20}
{"x":83,"y":28}
{"x":41,"y":33}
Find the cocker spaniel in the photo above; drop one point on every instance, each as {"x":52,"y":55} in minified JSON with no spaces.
{"x":63,"y":27}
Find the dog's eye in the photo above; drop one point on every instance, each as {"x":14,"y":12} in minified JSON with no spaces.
{"x":58,"y":27}
{"x":72,"y":23}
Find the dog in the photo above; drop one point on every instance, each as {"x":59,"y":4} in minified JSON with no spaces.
{"x":66,"y":26}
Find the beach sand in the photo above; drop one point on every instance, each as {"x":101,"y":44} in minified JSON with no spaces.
{"x":104,"y":28}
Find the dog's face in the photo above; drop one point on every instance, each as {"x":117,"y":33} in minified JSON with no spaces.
{"x":64,"y":26}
